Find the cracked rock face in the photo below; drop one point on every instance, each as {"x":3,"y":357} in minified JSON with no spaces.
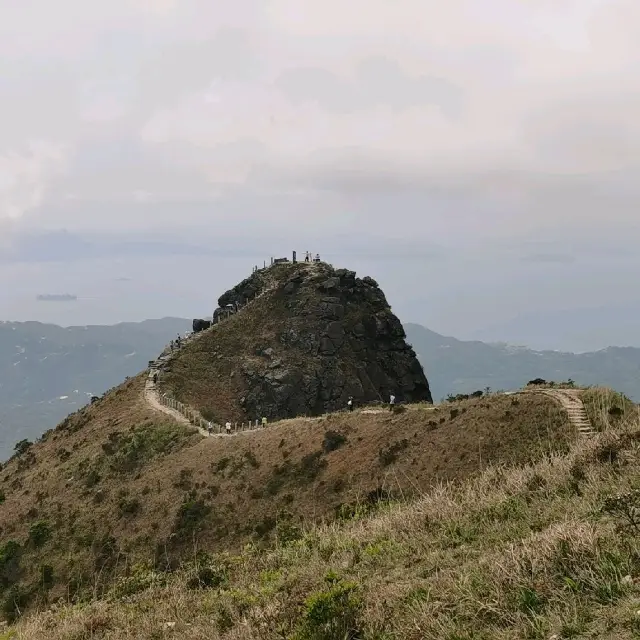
{"x":337,"y":337}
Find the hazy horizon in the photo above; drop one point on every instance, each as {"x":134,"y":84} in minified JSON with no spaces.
{"x":481,"y":162}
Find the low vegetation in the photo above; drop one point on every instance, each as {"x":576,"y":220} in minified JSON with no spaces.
{"x":607,"y":408}
{"x":544,"y":550}
{"x":117,"y":486}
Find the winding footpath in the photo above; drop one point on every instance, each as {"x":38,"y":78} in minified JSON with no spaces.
{"x":152,"y":397}
{"x":569,"y":399}
{"x":179,"y":412}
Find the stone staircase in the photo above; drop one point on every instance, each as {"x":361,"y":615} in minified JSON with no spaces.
{"x":573,"y":405}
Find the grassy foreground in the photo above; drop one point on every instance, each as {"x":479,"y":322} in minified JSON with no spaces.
{"x":549,"y":550}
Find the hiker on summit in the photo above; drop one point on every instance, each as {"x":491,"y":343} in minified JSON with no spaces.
{"x":317,"y":258}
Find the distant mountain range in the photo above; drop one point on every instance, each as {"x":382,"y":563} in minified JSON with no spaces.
{"x":47,"y":371}
{"x":457,"y":366}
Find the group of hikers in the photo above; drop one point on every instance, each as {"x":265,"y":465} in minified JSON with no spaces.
{"x":392,"y":403}
{"x":308,"y":257}
{"x":228,"y":427}
{"x":177,"y":343}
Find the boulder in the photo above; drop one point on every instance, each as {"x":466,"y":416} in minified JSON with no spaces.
{"x":200,"y":325}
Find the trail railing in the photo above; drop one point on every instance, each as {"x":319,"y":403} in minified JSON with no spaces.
{"x":198,"y":421}
{"x":191,"y":414}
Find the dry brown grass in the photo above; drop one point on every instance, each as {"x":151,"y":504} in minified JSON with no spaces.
{"x":517,"y":552}
{"x":119,"y":470}
{"x":607,"y":408}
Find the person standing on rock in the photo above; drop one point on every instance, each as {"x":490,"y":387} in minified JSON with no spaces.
{"x":228,"y":428}
{"x":350,"y":403}
{"x":392,"y":402}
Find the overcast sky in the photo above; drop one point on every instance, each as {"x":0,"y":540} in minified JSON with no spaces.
{"x":480,"y":159}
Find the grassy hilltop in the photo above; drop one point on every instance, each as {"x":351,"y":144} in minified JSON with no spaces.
{"x":542,"y":549}
{"x":484,"y":517}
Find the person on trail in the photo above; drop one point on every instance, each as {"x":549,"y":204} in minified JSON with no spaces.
{"x":264,"y":421}
{"x":228,"y":428}
{"x":392,"y":402}
{"x":350,"y":403}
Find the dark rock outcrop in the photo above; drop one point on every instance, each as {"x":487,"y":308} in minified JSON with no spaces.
{"x":349,"y":342}
{"x":244,"y":292}
{"x":316,"y":337}
{"x":200,"y":325}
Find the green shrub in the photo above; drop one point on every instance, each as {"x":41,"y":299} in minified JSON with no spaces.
{"x":310,"y":466}
{"x":14,"y":603}
{"x":22,"y":447}
{"x":10,"y":555}
{"x":625,"y":509}
{"x":207,"y":577}
{"x":265,"y":527}
{"x":105,"y":552}
{"x":129,"y":506}
{"x":286,"y":530}
{"x":333,"y":613}
{"x":333,"y":440}
{"x":185,"y":480}
{"x":222,"y":464}
{"x":251,"y":459}
{"x":39,"y":533}
{"x":190,"y":515}
{"x":303,"y":472}
{"x":141,"y":578}
{"x":46,"y":576}
{"x":92,"y":478}
{"x":389,"y":455}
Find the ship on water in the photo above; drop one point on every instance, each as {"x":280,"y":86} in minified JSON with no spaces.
{"x":55,"y":297}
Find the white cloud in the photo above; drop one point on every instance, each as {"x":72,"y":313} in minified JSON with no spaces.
{"x":25,"y":176}
{"x":500,"y":106}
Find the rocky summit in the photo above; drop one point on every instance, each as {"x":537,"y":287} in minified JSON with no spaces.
{"x":305,"y":337}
